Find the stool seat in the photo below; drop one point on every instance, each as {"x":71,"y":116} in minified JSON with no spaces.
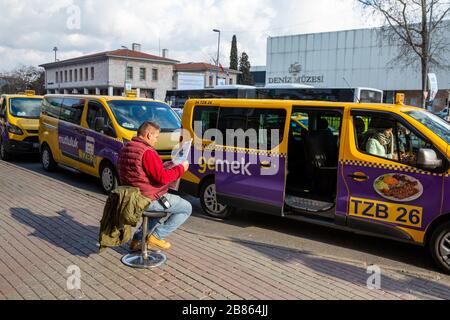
{"x":144,"y":259}
{"x":154,"y":214}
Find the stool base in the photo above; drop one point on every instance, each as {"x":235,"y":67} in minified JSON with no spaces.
{"x":136,"y":260}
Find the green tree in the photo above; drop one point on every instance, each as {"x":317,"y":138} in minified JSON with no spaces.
{"x":234,"y":54}
{"x":245,"y":77}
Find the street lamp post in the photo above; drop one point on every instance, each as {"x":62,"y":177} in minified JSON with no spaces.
{"x":56,"y":50}
{"x":126,"y":71}
{"x":218,"y":55}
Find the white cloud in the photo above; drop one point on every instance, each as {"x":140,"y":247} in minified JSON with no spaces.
{"x":32,"y":28}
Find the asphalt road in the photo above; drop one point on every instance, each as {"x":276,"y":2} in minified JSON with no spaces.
{"x":282,"y":232}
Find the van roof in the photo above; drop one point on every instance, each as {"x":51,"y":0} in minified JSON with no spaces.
{"x":325,"y":104}
{"x":98,"y":97}
{"x":21,"y":96}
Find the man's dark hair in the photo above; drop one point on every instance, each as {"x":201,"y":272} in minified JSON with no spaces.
{"x":145,"y":126}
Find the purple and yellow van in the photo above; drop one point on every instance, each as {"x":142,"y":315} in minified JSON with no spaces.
{"x":19,"y":122}
{"x":376,"y":169}
{"x":86,"y":132}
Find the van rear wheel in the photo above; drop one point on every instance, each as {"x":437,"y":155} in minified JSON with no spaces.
{"x":209,"y":203}
{"x":108,"y":177}
{"x":440,"y":247}
{"x":48,"y":163}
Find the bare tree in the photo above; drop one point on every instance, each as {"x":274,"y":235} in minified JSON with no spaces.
{"x":419,"y":29}
{"x":23,"y":78}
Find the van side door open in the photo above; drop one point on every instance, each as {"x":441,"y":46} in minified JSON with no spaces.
{"x":251,"y":161}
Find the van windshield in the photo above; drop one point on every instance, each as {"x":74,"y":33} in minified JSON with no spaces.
{"x":25,"y":108}
{"x":432,"y":122}
{"x":130,"y":114}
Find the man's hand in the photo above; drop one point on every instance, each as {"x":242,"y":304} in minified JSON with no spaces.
{"x":185,"y":165}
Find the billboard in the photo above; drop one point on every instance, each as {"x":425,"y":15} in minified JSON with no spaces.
{"x":189,"y":81}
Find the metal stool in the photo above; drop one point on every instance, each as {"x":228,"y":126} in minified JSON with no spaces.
{"x":144,"y":260}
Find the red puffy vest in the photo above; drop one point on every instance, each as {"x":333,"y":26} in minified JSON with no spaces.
{"x":131,"y":170}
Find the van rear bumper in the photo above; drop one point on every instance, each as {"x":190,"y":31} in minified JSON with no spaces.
{"x":29,"y":145}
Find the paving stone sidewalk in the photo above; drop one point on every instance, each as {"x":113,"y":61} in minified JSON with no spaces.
{"x":47,"y":226}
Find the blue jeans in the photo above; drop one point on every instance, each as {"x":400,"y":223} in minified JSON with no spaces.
{"x":177,"y":215}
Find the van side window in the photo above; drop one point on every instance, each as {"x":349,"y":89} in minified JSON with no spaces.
{"x":3,"y":108}
{"x":71,"y":110}
{"x":97,"y":111}
{"x":269,"y":124}
{"x":205,"y":118}
{"x":263,"y":128}
{"x":52,"y":107}
{"x":387,"y":138}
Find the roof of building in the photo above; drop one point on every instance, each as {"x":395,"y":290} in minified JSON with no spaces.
{"x":120,"y":53}
{"x":201,"y":66}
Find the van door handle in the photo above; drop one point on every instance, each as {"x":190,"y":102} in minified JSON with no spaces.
{"x":358,"y":176}
{"x":265,"y":164}
{"x":81,"y":131}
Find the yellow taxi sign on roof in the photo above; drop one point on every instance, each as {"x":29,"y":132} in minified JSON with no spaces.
{"x":131,"y":93}
{"x":30,"y":92}
{"x":400,"y":98}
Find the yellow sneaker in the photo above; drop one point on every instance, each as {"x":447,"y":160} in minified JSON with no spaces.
{"x":160,"y":244}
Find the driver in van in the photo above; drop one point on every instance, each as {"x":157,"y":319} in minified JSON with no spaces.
{"x":380,"y":143}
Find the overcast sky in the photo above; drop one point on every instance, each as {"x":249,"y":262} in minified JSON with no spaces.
{"x":29,"y":29}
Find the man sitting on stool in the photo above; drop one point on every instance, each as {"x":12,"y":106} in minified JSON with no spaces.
{"x":140,"y":166}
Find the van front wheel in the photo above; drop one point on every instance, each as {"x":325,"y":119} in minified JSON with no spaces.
{"x":4,"y":154}
{"x":209,"y":203}
{"x":440,"y":247}
{"x":108,"y":177}
{"x":48,"y":163}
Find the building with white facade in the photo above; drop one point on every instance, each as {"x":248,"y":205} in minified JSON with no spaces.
{"x":356,"y":58}
{"x":104,"y":74}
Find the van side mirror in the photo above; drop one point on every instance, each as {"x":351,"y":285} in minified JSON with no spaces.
{"x":99,"y":124}
{"x":428,"y":159}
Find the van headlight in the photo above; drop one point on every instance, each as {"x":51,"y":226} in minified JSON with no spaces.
{"x":14,"y":129}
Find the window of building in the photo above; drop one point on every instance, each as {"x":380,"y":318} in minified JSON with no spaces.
{"x":129,"y":73}
{"x":231,"y":81}
{"x":92,"y":73}
{"x":86,"y":74}
{"x":81,"y":74}
{"x":65,"y":76}
{"x":71,"y":110}
{"x":70,"y":75}
{"x":142,"y":73}
{"x":155,"y":74}
{"x":60,"y":76}
{"x":57,"y":76}
{"x":76,"y":75}
{"x":211,"y":83}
